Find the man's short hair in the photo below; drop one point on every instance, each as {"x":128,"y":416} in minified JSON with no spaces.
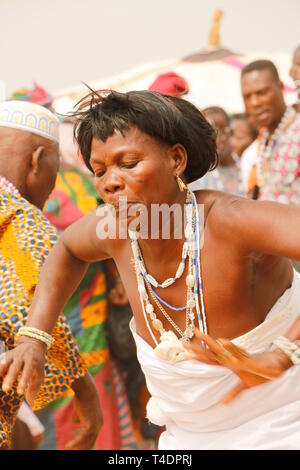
{"x":262,"y":65}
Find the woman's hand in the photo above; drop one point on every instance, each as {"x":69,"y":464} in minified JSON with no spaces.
{"x":251,"y":370}
{"x":87,"y":412}
{"x":27,"y":361}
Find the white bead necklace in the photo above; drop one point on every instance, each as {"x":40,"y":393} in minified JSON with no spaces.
{"x":192,"y":280}
{"x":265,"y":151}
{"x":168,"y":282}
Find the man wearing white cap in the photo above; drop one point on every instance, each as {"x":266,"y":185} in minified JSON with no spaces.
{"x":29,"y":163}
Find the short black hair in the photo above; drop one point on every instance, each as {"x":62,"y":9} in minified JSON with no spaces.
{"x":244,"y":117}
{"x":262,"y":65}
{"x":166,"y":118}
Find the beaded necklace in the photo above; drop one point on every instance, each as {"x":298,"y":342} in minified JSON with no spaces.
{"x":8,"y":186}
{"x":266,"y":149}
{"x":191,"y":250}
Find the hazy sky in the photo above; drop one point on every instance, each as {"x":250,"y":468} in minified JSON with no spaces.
{"x":62,"y":42}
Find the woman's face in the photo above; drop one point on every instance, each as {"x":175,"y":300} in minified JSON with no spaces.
{"x":135,"y":166}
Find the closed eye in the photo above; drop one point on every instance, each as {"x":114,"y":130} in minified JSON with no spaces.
{"x":98,"y":174}
{"x":129,"y":165}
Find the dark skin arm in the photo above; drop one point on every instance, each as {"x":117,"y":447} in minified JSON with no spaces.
{"x":259,"y":226}
{"x":257,"y":235}
{"x":247,"y":227}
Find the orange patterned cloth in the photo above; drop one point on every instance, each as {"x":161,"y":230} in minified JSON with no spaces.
{"x":26,"y":237}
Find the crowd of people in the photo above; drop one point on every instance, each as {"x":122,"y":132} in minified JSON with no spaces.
{"x":99,"y":353}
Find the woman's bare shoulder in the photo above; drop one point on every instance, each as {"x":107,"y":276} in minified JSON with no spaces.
{"x":94,"y":237}
{"x":216,"y":203}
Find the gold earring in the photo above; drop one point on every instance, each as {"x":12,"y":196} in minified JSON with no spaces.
{"x":181,"y":184}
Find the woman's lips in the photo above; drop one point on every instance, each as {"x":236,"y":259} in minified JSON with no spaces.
{"x":123,"y":207}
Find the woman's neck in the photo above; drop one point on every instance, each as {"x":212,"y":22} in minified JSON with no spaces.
{"x":166,"y":232}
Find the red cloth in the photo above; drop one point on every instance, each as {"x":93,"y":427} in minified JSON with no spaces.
{"x":170,"y":84}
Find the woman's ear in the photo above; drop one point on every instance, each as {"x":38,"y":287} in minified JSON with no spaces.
{"x":36,"y":158}
{"x":178,"y":157}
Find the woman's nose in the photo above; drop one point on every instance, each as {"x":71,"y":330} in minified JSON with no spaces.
{"x":112,"y":184}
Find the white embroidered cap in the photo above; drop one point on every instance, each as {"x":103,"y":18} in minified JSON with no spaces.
{"x":30,"y":117}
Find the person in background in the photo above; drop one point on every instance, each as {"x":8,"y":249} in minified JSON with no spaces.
{"x":295,"y":74}
{"x":29,"y":163}
{"x":274,"y":175}
{"x":242,"y":134}
{"x":226,"y":177}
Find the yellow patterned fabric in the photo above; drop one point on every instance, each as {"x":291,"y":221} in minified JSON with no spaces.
{"x":26,"y":237}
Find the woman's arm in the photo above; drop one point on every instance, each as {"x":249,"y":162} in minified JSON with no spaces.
{"x":64,"y":269}
{"x":60,"y":275}
{"x":257,"y":226}
{"x":251,"y":226}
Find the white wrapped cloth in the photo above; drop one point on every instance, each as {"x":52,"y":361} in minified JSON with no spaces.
{"x":185,"y":397}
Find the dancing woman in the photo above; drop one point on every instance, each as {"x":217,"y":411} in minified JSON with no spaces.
{"x":226,"y":276}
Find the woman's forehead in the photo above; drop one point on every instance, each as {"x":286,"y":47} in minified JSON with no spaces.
{"x":132,"y":139}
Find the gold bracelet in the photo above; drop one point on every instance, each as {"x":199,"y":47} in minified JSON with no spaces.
{"x":36,"y":334}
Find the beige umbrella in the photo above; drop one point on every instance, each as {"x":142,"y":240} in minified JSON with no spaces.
{"x":213,"y":76}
